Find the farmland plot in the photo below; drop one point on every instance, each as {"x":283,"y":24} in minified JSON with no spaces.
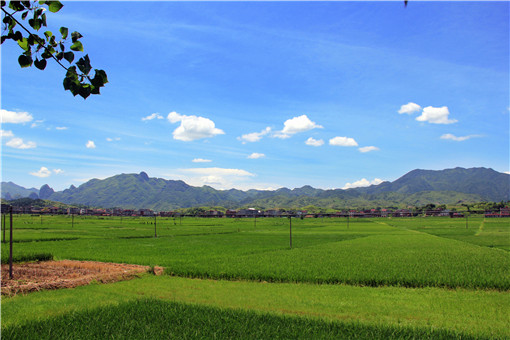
{"x":400,"y":253}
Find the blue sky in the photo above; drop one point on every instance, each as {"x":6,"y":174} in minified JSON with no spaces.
{"x":265,"y":94}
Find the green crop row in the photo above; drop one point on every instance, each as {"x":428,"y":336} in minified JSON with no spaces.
{"x":157,"y":319}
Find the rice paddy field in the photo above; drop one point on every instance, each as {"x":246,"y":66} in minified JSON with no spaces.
{"x":434,"y":277}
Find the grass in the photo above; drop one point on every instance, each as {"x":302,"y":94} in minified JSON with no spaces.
{"x":468,"y":313}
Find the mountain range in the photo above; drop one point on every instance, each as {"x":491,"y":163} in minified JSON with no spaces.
{"x":418,"y":187}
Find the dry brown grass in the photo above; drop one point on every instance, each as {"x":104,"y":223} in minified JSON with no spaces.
{"x":35,"y":276}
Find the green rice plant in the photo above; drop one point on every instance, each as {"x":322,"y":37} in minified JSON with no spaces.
{"x":157,"y":319}
{"x":28,"y":258}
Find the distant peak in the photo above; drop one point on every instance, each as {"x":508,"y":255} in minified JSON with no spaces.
{"x":143,"y":175}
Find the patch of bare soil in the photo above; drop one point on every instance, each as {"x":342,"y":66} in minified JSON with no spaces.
{"x":35,"y":276}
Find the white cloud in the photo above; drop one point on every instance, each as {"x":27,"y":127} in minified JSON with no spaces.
{"x":90,"y":145}
{"x":436,"y":115}
{"x":220,"y":178}
{"x":256,"y":155}
{"x":368,"y":149}
{"x":18,"y":143}
{"x":201,"y":160}
{"x":58,"y":171}
{"x":458,"y":139}
{"x":42,"y":172}
{"x":37,"y":123}
{"x":343,"y":141}
{"x":218,"y":172}
{"x":153,"y":116}
{"x":314,"y":142}
{"x":6,"y":133}
{"x":193,"y":127}
{"x":61,"y":128}
{"x":254,"y":136}
{"x":362,"y":183}
{"x":409,"y":108}
{"x":296,"y":125}
{"x":108,"y":139}
{"x":15,"y":117}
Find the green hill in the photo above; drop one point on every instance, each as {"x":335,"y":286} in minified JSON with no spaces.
{"x":418,"y":187}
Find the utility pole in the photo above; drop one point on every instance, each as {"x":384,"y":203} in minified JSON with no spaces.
{"x":3,"y":239}
{"x":290,"y":231}
{"x":10,"y":243}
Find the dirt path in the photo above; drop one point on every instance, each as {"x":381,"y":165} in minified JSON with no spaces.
{"x":35,"y":276}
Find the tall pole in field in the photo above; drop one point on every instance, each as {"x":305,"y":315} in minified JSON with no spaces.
{"x":3,"y":239}
{"x":290,"y":231}
{"x":155,"y":234}
{"x":10,"y":244}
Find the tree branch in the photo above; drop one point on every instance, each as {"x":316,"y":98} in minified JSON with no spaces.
{"x":36,"y":38}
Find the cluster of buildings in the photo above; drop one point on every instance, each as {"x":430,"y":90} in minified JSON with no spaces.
{"x":247,"y":213}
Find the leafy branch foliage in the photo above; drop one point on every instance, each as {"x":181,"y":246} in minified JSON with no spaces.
{"x":37,"y":49}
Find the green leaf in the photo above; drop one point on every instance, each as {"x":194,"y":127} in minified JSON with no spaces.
{"x":54,"y":6}
{"x":48,"y":34}
{"x":64,"y":31}
{"x":77,"y":46}
{"x":94,"y":90}
{"x":84,"y":64}
{"x":75,"y":36}
{"x":40,"y":64}
{"x":48,"y":52}
{"x":71,"y":73}
{"x":43,"y":19}
{"x":71,"y":82}
{"x":4,"y":37}
{"x":23,"y":43}
{"x":9,"y":22}
{"x":99,"y":79}
{"x":26,"y":3}
{"x":16,"y":5}
{"x":59,"y":56}
{"x":84,"y":90}
{"x":35,"y":23}
{"x":17,"y":36}
{"x":69,"y":56}
{"x":24,"y":61}
{"x":24,"y":15}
